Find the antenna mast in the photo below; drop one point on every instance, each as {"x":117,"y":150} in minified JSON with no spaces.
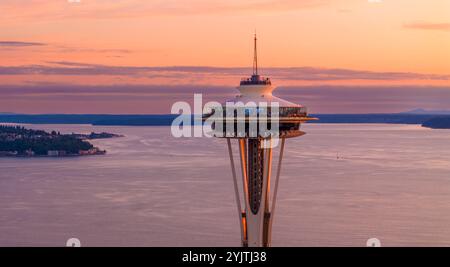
{"x":255,"y":59}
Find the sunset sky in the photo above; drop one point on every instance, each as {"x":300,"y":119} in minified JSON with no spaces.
{"x":132,"y":56}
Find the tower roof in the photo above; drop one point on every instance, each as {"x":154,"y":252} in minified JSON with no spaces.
{"x":255,"y":79}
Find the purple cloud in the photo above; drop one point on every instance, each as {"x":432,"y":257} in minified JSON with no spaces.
{"x":63,"y":98}
{"x":66,"y":68}
{"x":19,"y":44}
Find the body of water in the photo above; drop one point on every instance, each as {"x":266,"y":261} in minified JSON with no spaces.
{"x":340,"y":185}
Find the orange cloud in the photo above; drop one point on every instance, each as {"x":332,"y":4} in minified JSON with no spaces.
{"x":428,"y":26}
{"x":50,"y":9}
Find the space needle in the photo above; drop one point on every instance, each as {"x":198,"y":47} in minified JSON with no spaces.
{"x":256,"y":192}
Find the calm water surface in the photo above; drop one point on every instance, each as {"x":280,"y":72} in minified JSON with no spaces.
{"x":340,"y":185}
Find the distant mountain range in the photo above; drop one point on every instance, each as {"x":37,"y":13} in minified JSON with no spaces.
{"x":418,"y":116}
{"x":430,"y":111}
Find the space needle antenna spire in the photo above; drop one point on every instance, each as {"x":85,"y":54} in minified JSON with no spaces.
{"x":255,"y":57}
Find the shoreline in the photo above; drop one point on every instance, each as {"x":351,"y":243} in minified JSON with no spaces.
{"x":20,"y":142}
{"x":100,"y":153}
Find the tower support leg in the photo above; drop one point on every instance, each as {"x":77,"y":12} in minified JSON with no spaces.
{"x":241,"y":213}
{"x":256,"y":215}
